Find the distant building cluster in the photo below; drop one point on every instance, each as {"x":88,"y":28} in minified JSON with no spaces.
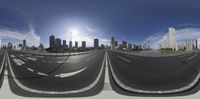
{"x":24,"y":46}
{"x":169,"y":42}
{"x":192,"y":45}
{"x":58,"y":45}
{"x":125,"y":46}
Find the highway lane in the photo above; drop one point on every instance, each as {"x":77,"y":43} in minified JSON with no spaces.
{"x":154,"y":75}
{"x":56,"y":75}
{"x":2,"y":61}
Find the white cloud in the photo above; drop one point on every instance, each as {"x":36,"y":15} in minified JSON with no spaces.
{"x":181,"y":35}
{"x":188,"y":33}
{"x":16,"y":36}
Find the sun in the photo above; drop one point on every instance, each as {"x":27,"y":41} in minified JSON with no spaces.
{"x":74,"y":31}
{"x":75,"y":34}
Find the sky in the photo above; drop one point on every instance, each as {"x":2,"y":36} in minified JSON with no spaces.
{"x":135,"y":21}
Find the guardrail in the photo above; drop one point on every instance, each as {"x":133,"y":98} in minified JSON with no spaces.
{"x":155,"y":54}
{"x":57,"y":54}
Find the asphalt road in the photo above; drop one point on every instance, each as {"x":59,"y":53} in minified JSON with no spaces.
{"x":51,"y":75}
{"x":154,"y":75}
{"x":2,"y":60}
{"x":83,"y":75}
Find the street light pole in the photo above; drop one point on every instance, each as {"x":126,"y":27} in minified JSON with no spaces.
{"x":70,"y":36}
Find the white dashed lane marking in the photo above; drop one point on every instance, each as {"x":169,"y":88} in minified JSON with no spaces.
{"x":192,"y":57}
{"x":123,"y":58}
{"x":133,"y":56}
{"x":63,"y":75}
{"x":30,"y":69}
{"x":43,"y":74}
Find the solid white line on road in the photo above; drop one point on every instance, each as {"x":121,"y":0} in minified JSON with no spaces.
{"x":43,"y":74}
{"x":107,"y":85}
{"x":91,"y":57}
{"x":30,"y":69}
{"x":107,"y":80}
{"x":133,"y":56}
{"x":63,"y":61}
{"x":6,"y":71}
{"x":1,"y":69}
{"x":183,"y":55}
{"x":123,"y":58}
{"x":32,"y":58}
{"x":192,"y":57}
{"x":12,"y":56}
{"x":63,"y":75}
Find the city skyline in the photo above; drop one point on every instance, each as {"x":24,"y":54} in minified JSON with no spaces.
{"x":99,"y":48}
{"x":89,"y":22}
{"x":168,"y":41}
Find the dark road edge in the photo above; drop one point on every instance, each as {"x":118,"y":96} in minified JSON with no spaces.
{"x":91,"y":86}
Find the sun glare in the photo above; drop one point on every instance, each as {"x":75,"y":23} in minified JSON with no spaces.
{"x":74,"y":31}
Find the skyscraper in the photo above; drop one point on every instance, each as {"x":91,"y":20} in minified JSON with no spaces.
{"x":102,"y":46}
{"x":96,"y":43}
{"x":83,"y":44}
{"x":112,"y":43}
{"x":124,"y":44}
{"x":172,"y":38}
{"x":58,"y":42}
{"x":24,"y":43}
{"x":64,"y":43}
{"x":189,"y":45}
{"x":10,"y":46}
{"x":130,"y":46}
{"x":76,"y":44}
{"x":169,"y":39}
{"x":116,"y":43}
{"x":52,"y":41}
{"x":112,"y":39}
{"x":41,"y":47}
{"x":198,"y":43}
{"x":144,"y":46}
{"x":70,"y":44}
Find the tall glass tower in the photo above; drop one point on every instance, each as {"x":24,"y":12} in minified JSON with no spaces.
{"x":172,"y":38}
